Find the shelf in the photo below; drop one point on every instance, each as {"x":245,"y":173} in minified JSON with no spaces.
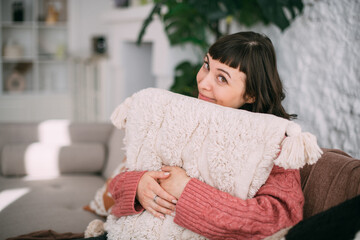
{"x":32,"y":59}
{"x":33,"y":94}
{"x":17,"y":60}
{"x":40,"y":25}
{"x":34,"y":67}
{"x":58,"y":25}
{"x":34,"y":49}
{"x":18,"y":25}
{"x":52,"y":61}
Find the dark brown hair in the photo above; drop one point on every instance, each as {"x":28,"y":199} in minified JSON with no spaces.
{"x":254,"y":55}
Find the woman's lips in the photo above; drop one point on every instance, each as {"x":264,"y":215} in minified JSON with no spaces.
{"x":202,"y":97}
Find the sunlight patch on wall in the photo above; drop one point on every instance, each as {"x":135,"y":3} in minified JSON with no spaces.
{"x":9,"y":196}
{"x":54,"y":132}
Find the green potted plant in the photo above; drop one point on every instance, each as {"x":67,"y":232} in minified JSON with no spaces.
{"x":197,"y":21}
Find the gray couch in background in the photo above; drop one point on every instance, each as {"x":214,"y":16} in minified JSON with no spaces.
{"x":50,"y":170}
{"x":77,"y":158}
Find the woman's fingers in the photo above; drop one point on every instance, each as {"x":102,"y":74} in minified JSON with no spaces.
{"x":176,"y":182}
{"x":169,"y":207}
{"x":155,"y":213}
{"x":159,"y":174}
{"x":171,"y":200}
{"x":148,"y":187}
{"x":159,"y":190}
{"x":159,"y":208}
{"x":166,"y":168}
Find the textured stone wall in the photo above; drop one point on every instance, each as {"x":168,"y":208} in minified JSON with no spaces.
{"x":319,"y":63}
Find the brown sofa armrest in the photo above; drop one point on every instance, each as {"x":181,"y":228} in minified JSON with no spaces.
{"x":332,"y":180}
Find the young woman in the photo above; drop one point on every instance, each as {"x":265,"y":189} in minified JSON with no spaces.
{"x":239,"y":71}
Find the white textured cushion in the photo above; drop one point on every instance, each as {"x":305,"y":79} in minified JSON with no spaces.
{"x":41,"y":159}
{"x":230,"y":149}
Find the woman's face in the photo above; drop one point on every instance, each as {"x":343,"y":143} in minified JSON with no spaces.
{"x":220,"y":84}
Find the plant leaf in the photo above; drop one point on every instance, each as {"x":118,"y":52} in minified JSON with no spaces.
{"x":274,"y":11}
{"x":155,"y":10}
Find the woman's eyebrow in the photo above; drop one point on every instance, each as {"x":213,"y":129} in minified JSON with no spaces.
{"x":222,"y":70}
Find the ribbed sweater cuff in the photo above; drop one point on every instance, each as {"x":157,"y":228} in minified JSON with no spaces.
{"x":192,"y":203}
{"x":123,"y":189}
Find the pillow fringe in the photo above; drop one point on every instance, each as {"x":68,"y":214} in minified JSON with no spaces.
{"x":298,"y":148}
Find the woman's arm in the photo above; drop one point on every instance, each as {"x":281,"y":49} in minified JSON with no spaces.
{"x":218,"y":215}
{"x":134,"y":191}
{"x":123,"y":190}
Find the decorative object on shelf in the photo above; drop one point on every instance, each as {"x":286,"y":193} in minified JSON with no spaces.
{"x":144,"y":2}
{"x":52,"y":15}
{"x":18,"y":11}
{"x":15,"y":82}
{"x":13,"y":50}
{"x":136,"y":3}
{"x":99,"y":45}
{"x":121,"y":3}
{"x":60,"y":52}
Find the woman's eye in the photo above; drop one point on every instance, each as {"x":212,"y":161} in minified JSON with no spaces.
{"x":206,"y":65}
{"x":222,"y":79}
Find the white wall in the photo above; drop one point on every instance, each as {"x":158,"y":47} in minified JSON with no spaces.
{"x":86,"y":22}
{"x":322,"y":74}
{"x":138,"y":75}
{"x":318,"y":61}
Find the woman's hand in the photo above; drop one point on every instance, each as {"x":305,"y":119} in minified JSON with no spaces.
{"x":148,"y":188}
{"x":176,"y":182}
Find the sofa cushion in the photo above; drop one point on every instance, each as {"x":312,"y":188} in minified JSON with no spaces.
{"x":335,"y":178}
{"x":28,"y":205}
{"x":40,"y":159}
{"x":64,"y":131}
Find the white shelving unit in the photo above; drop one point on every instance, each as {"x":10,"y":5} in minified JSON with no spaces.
{"x":33,"y":61}
{"x":42,"y":63}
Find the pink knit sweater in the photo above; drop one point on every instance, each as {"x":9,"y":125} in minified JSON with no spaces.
{"x":218,"y":215}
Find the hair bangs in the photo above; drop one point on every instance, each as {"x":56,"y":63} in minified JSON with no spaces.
{"x":234,"y":55}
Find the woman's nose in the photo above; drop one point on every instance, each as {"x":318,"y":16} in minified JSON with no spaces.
{"x":205,"y":82}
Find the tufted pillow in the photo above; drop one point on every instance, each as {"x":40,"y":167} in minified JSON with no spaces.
{"x":232,"y":150}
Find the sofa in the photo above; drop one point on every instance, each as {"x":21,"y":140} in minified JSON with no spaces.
{"x":51,"y":170}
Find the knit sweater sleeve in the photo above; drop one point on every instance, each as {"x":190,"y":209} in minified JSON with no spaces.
{"x":123,"y":190}
{"x":218,"y":215}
